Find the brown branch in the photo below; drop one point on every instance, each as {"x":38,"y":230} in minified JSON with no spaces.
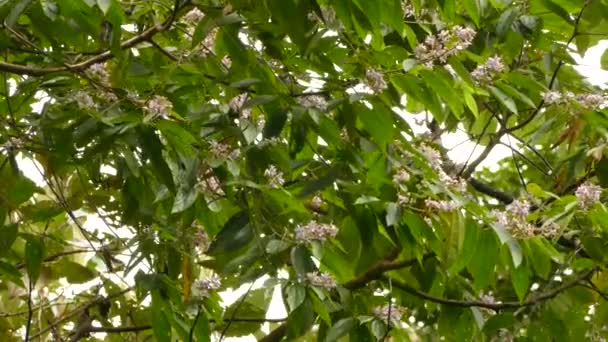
{"x":276,"y":335}
{"x":102,"y":57}
{"x":79,"y":310}
{"x":54,"y":257}
{"x":494,"y":306}
{"x":484,"y":154}
{"x":553,"y":77}
{"x":490,"y":191}
{"x":377,"y":270}
{"x":137,"y":328}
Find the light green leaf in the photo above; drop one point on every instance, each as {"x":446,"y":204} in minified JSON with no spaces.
{"x":34,"y":254}
{"x":604,"y":60}
{"x":504,"y":99}
{"x":341,"y":328}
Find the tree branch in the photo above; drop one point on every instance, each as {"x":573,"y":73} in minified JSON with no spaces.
{"x":494,"y":306}
{"x":102,"y":57}
{"x":553,"y":77}
{"x":376,"y":271}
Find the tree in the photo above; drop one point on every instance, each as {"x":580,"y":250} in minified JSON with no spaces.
{"x":223,"y":144}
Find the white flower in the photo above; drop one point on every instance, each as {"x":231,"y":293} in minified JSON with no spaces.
{"x":83,"y":100}
{"x":201,"y":239}
{"x":432,"y":155}
{"x":315,"y":231}
{"x":203,"y":287}
{"x":375,"y":80}
{"x":316,"y":202}
{"x":220,"y":150}
{"x":395,"y":312}
{"x":495,"y":64}
{"x":588,"y":194}
{"x":551,"y":97}
{"x":323,"y":280}
{"x":274,"y":176}
{"x":519,"y":208}
{"x":513,"y":218}
{"x":108,"y":96}
{"x":312,"y":101}
{"x":401,"y":177}
{"x":99,"y":71}
{"x":236,"y":105}
{"x":403,"y":199}
{"x":194,"y":16}
{"x":484,"y":73}
{"x":211,"y":185}
{"x":465,"y":34}
{"x":593,"y":101}
{"x":444,"y":44}
{"x":441,"y":206}
{"x":159,"y":106}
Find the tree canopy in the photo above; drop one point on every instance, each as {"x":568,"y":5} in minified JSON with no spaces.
{"x":222,"y":144}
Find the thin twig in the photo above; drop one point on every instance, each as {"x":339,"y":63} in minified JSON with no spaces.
{"x":30,"y":310}
{"x":497,"y":305}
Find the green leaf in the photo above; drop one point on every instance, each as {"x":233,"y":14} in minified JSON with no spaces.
{"x":74,"y":272}
{"x":506,"y":20}
{"x":541,"y":262}
{"x":302,"y":261}
{"x":235,"y":234}
{"x":504,"y":99}
{"x":604,"y":60}
{"x":341,"y":328}
{"x":555,"y":8}
{"x":104,"y":5}
{"x":484,"y":260}
{"x":160,"y":324}
{"x":521,"y":281}
{"x":295,"y":294}
{"x":16,"y":10}
{"x":245,"y":83}
{"x":601,"y":170}
{"x":472,"y":8}
{"x":8,"y":235}
{"x":393,"y":214}
{"x":34,"y":254}
{"x":441,"y":83}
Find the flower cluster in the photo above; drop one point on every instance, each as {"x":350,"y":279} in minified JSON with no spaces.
{"x":587,"y":101}
{"x":312,"y":101}
{"x":322,"y":279}
{"x":201,"y":240}
{"x":210,"y":185}
{"x":433,"y":156}
{"x":402,"y":176}
{"x":99,"y":72}
{"x":588,"y":194}
{"x":513,"y":218}
{"x":375,"y":80}
{"x":12,"y":144}
{"x":316,"y":202}
{"x":393,"y":311}
{"x":236,"y":105}
{"x":221,"y":150}
{"x":83,"y":100}
{"x":315,"y":231}
{"x":159,"y":106}
{"x":274,"y":177}
{"x":443,"y":45}
{"x":440,"y":206}
{"x":193,"y":16}
{"x":486,"y":72}
{"x":203,"y":287}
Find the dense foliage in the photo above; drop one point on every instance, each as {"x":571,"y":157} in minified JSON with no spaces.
{"x":222,"y":142}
